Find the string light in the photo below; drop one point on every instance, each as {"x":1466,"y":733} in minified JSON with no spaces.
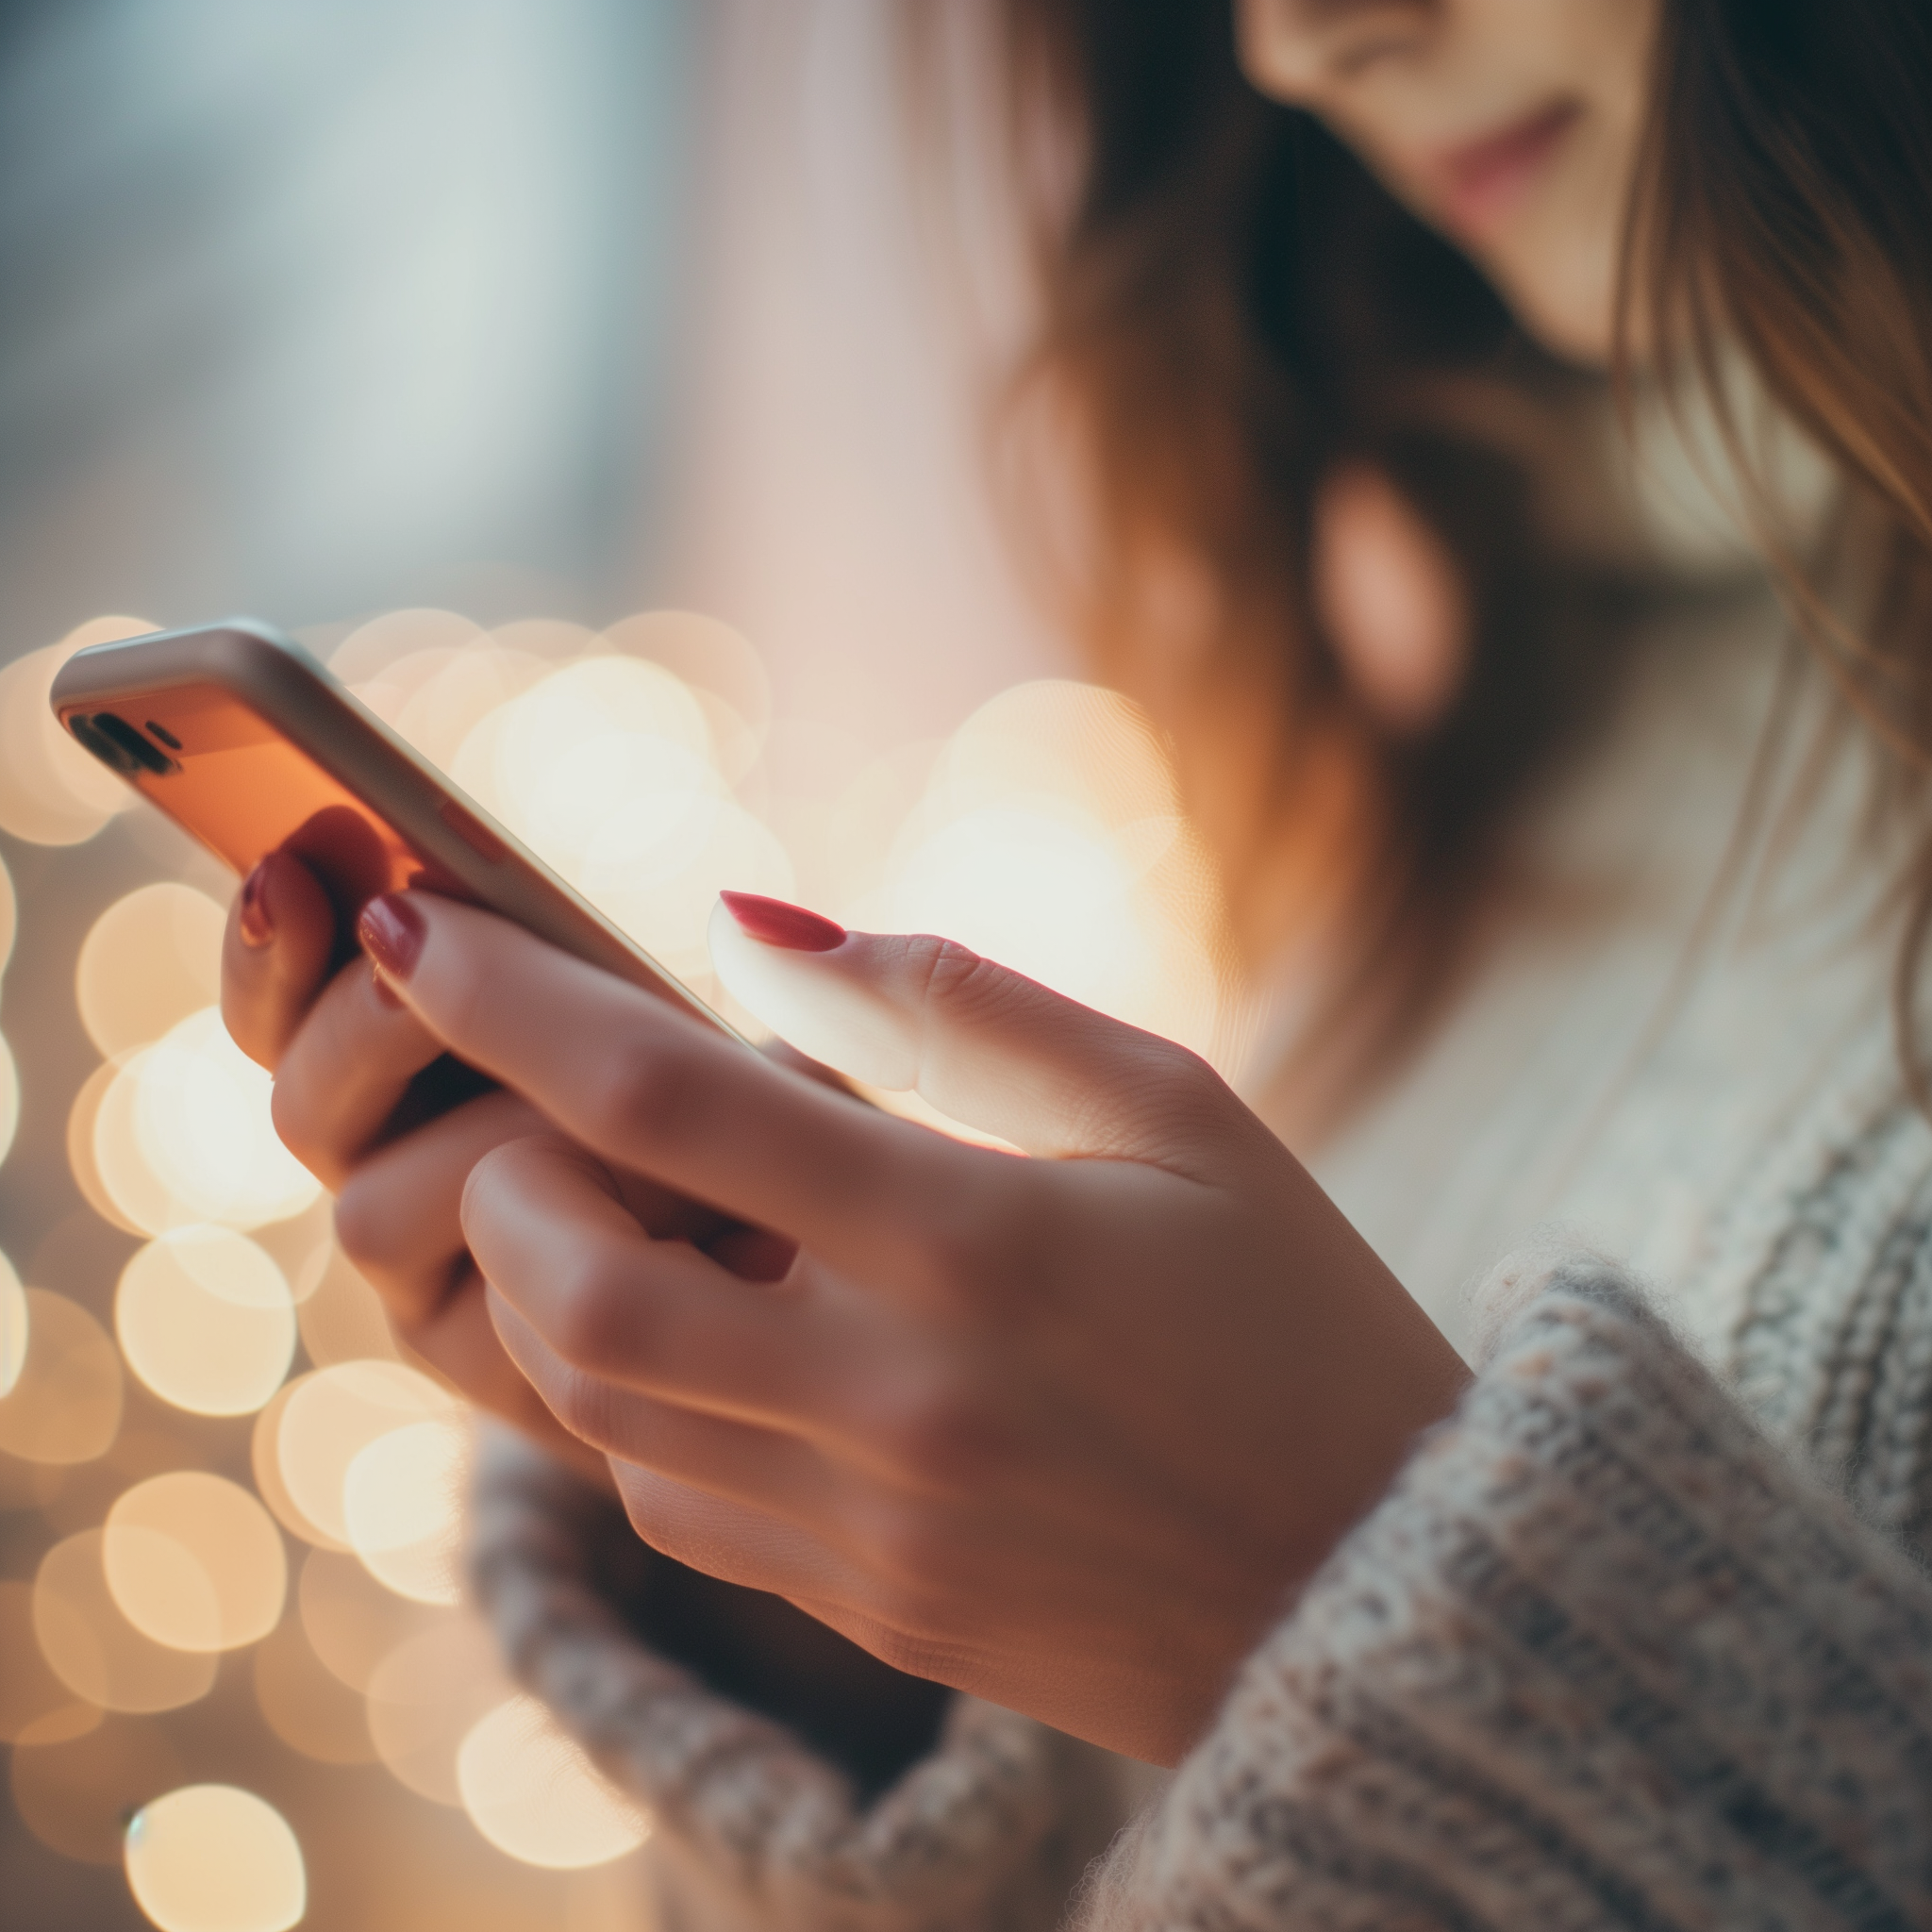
{"x":92,"y":1647}
{"x":150,"y":960}
{"x":423,"y":1698}
{"x":214,"y":1859}
{"x":51,"y":791}
{"x":332,"y":1417}
{"x":65,"y":1405}
{"x":403,"y":1499}
{"x":13,"y":1327}
{"x":194,"y":1562}
{"x":647,"y":765}
{"x":531,"y":1791}
{"x":206,"y":1320}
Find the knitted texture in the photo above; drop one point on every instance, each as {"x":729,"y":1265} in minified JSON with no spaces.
{"x":1628,"y":1643}
{"x":1604,"y":1657}
{"x":993,"y":1828}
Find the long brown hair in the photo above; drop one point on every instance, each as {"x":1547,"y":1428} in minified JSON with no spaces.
{"x":1783,"y":210}
{"x":1232,"y":307}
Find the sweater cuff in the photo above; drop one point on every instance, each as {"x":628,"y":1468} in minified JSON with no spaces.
{"x":756,"y":1830}
{"x":1602,"y":1656}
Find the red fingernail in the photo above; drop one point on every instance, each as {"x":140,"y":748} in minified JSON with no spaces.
{"x":257,"y":926}
{"x":392,"y":933}
{"x":779,"y":922}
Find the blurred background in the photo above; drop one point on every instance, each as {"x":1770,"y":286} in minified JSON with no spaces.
{"x":591,"y":382}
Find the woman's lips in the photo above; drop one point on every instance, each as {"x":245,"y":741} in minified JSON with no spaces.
{"x":1476,"y":185}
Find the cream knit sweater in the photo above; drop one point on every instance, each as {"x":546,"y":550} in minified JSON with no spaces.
{"x":1637,"y":1638}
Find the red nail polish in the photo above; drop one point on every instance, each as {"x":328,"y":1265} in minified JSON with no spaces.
{"x":777,"y":922}
{"x":258,"y":926}
{"x":386,"y":995}
{"x":392,"y":933}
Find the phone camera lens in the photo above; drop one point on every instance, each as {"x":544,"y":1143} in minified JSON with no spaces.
{"x":135,"y":749}
{"x":91,"y":741}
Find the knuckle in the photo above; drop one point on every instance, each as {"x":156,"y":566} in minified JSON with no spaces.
{"x":651,"y":1094}
{"x":945,"y":973}
{"x":364,"y":1229}
{"x":936,"y":1432}
{"x":987,"y":1247}
{"x":590,"y":1314}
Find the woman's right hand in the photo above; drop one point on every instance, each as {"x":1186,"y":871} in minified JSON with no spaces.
{"x":348,"y":1061}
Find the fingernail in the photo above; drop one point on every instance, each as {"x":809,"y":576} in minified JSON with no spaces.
{"x":392,"y":933}
{"x":779,"y":922}
{"x":386,"y":995}
{"x":258,"y":927}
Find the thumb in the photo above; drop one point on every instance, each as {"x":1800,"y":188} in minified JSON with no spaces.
{"x":984,"y":1044}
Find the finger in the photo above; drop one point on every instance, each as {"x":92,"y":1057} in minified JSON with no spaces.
{"x":629,"y":1313}
{"x":739,"y":1462}
{"x":399,"y":1213}
{"x":648,"y":1087}
{"x":346,"y":1070}
{"x":985,"y":1044}
{"x":274,"y":956}
{"x":459,"y":1341}
{"x":736,"y":1542}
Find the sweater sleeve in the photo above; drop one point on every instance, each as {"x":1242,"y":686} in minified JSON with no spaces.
{"x":1603,"y":1657}
{"x":755,"y":1832}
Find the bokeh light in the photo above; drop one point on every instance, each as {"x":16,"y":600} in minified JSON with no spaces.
{"x":215,"y":1859}
{"x":184,"y":1135}
{"x":607,"y":768}
{"x":10,"y":915}
{"x":9,"y":1098}
{"x":304,"y":1703}
{"x":51,"y":791}
{"x":76,"y":1794}
{"x":332,"y":1417}
{"x":83,"y":1124}
{"x":265,"y":1465}
{"x":651,"y":766}
{"x":403,"y":1499}
{"x":33,"y":1703}
{"x":193,"y":1562}
{"x":340,"y":1316}
{"x":93,"y":1649}
{"x":532,"y":1792}
{"x":150,"y":960}
{"x":1048,"y":837}
{"x":352,"y":1622}
{"x":205,"y":1318}
{"x":65,"y":1405}
{"x":13,"y":1327}
{"x":425,"y":1697}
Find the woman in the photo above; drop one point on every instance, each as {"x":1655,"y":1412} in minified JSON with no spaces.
{"x":1141,"y":1439}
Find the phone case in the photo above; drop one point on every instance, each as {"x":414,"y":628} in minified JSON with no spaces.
{"x":252,"y":744}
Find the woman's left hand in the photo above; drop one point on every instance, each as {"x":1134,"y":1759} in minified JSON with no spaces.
{"x":1064,"y":1432}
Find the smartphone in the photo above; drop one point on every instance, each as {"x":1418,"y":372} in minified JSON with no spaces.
{"x":254,"y":746}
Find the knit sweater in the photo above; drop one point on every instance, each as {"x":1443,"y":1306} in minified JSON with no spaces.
{"x":1632,"y":1640}
{"x":1636,"y":1638}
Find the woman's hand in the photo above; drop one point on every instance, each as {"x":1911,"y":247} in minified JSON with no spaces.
{"x":1064,"y":1432}
{"x":363,"y":1099}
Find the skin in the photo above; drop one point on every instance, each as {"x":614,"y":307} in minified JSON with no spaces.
{"x":1065,"y":1432}
{"x":1019,"y":1427}
{"x":1412,"y":84}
